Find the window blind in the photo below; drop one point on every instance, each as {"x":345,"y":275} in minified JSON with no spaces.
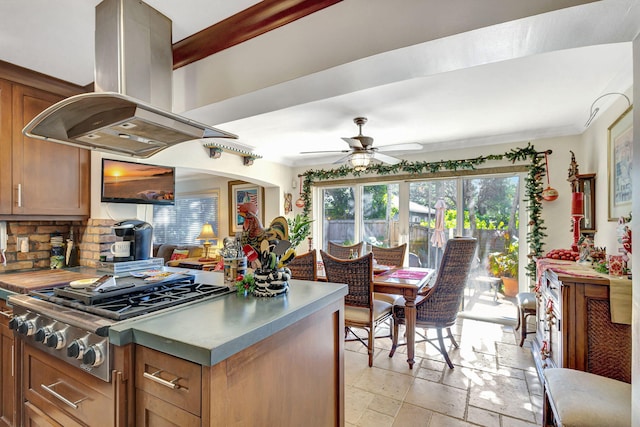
{"x":182,"y":222}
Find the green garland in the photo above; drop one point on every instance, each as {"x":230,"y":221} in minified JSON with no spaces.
{"x":533,"y":185}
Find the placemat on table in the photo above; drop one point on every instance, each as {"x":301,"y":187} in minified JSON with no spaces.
{"x":408,"y":274}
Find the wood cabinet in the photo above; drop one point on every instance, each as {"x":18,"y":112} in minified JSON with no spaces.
{"x":7,"y":369}
{"x":289,"y":378}
{"x":67,"y":396}
{"x":38,"y":177}
{"x":574,"y":328}
{"x":168,"y":390}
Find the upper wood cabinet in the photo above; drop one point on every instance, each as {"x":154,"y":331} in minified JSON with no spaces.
{"x":38,"y":177}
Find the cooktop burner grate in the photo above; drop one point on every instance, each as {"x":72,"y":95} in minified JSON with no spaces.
{"x":136,"y":301}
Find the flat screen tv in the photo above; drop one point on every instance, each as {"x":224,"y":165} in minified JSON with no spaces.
{"x":129,"y":182}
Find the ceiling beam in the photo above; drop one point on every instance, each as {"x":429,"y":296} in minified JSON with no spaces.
{"x":260,"y":18}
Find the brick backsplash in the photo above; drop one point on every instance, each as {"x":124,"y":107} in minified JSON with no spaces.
{"x":92,"y":237}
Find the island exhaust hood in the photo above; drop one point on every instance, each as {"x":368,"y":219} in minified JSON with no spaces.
{"x":129,"y":114}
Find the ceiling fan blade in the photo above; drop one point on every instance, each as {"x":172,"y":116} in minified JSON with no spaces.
{"x":386,"y":159}
{"x":342,"y":159}
{"x":353,"y":143}
{"x":401,"y":147}
{"x":330,"y":151}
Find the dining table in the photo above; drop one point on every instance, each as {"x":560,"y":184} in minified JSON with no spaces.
{"x":405,"y":281}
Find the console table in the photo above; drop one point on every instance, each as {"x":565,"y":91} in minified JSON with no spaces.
{"x":575,"y":328}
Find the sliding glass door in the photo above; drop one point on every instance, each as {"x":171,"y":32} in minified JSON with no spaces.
{"x":426,"y":214}
{"x":482,"y":207}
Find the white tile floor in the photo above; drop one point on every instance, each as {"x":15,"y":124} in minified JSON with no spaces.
{"x":494,"y":382}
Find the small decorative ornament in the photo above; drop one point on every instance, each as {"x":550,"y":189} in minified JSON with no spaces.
{"x":616,"y":265}
{"x":245,"y":285}
{"x":300,"y":201}
{"x":549,"y":194}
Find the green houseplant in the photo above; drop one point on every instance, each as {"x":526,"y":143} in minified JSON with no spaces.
{"x":299,"y":229}
{"x":505,"y":266}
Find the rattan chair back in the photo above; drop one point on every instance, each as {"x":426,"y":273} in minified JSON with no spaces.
{"x":343,"y":252}
{"x":304,"y":267}
{"x":356,"y":273}
{"x":441,"y":307}
{"x":390,"y":256}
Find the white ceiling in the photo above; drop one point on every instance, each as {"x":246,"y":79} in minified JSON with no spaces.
{"x":521,"y":80}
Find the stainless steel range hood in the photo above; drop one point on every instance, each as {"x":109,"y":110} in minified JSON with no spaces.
{"x":129,"y":114}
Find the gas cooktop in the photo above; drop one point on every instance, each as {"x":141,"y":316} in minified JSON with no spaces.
{"x":131,"y":296}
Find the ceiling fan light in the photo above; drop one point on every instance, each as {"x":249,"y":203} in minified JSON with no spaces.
{"x":360,"y":161}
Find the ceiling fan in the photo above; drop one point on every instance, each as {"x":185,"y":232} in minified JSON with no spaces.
{"x":362,"y":151}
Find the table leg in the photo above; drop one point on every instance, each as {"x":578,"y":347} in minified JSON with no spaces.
{"x":410,"y":323}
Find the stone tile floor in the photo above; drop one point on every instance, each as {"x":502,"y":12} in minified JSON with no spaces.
{"x":494,"y":381}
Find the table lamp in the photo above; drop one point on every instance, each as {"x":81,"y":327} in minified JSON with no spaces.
{"x":206,"y":234}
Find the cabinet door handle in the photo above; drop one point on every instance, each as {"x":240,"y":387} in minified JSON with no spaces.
{"x":7,"y":313}
{"x":19,"y":195}
{"x":57,"y":395}
{"x":156,"y":377}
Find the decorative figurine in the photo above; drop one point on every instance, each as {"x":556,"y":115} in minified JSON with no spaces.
{"x":288,"y":204}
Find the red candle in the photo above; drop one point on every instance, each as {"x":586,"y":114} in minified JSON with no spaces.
{"x":577,"y":203}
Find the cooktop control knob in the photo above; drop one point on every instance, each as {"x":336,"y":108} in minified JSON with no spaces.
{"x":41,"y":334}
{"x":76,"y":349}
{"x":93,"y":356}
{"x":55,"y":340}
{"x":15,"y":322}
{"x":27,"y":327}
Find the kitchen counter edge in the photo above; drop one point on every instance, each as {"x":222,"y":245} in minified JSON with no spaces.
{"x":208,"y":332}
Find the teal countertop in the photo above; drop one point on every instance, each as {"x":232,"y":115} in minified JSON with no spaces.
{"x":208,"y":332}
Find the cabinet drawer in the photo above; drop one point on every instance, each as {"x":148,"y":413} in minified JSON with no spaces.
{"x":169,"y":378}
{"x":34,"y":417}
{"x":66,"y":394}
{"x":151,"y":411}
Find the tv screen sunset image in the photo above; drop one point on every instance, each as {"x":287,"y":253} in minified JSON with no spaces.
{"x":137,"y":181}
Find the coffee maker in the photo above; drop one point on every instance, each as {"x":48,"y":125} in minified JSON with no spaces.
{"x":139,"y":233}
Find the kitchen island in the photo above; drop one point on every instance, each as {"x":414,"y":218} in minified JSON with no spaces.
{"x":231,"y":360}
{"x":258,"y":361}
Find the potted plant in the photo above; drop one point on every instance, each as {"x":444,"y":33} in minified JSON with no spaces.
{"x":299,"y":229}
{"x":505,"y":266}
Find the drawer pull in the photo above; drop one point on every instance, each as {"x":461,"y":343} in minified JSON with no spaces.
{"x":57,"y":395}
{"x":156,"y":377}
{"x":7,"y":313}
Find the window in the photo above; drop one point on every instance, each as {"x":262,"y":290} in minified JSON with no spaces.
{"x":182,"y":222}
{"x":486,"y":208}
{"x":338,"y":216}
{"x":426,"y":214}
{"x":380,"y":214}
{"x":375,"y":206}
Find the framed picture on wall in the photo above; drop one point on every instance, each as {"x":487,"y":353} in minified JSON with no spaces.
{"x":243,"y":192}
{"x":620,"y":155}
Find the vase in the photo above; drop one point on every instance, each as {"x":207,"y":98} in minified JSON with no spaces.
{"x":510,"y":286}
{"x":270,"y":283}
{"x":234,"y":267}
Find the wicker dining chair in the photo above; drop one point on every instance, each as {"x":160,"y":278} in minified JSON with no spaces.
{"x":393,"y":256}
{"x":343,"y":252}
{"x":304,"y":266}
{"x":361,"y":310}
{"x":438,"y":308}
